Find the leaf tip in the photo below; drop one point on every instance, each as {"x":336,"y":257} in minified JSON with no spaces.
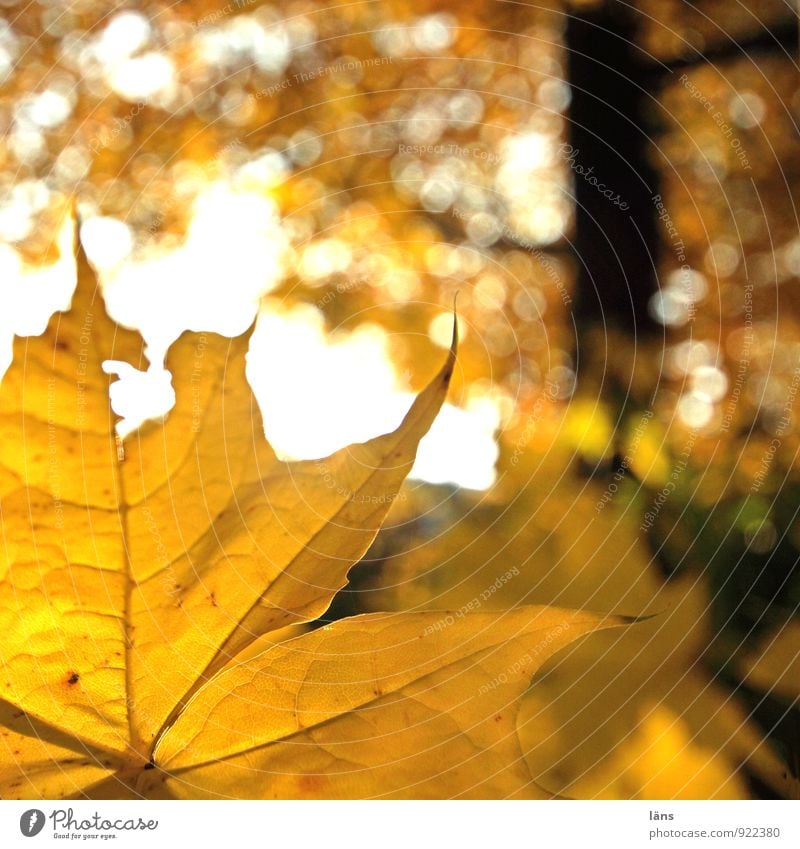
{"x":447,"y":370}
{"x":87,"y":279}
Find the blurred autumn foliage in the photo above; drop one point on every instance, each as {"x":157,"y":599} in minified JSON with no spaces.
{"x":388,"y":156}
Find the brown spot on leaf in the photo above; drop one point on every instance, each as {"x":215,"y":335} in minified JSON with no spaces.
{"x":311,"y":785}
{"x":73,"y":678}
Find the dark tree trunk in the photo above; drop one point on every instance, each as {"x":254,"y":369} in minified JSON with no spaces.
{"x":616,"y":235}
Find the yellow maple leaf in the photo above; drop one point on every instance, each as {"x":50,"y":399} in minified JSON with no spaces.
{"x":601,"y":705}
{"x":146,"y":590}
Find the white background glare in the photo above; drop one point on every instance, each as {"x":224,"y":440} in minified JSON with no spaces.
{"x":318,"y":392}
